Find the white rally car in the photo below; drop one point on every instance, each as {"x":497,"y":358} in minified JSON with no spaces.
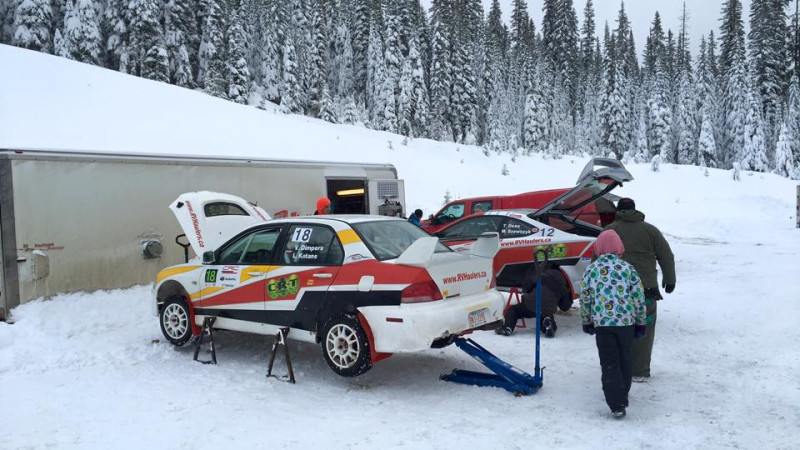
{"x":363,"y":287}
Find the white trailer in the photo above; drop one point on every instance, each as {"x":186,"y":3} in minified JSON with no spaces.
{"x":74,"y":221}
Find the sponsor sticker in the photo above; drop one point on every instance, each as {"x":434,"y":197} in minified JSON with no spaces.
{"x":464,"y":276}
{"x":282,"y":287}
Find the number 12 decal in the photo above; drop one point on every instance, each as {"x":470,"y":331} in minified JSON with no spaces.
{"x":548,"y":232}
{"x":302,"y":234}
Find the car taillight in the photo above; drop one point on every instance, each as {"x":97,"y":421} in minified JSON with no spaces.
{"x":421,"y":292}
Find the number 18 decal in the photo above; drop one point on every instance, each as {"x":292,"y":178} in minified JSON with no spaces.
{"x":302,"y":234}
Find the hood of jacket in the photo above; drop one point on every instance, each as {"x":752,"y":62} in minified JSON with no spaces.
{"x":630,"y":216}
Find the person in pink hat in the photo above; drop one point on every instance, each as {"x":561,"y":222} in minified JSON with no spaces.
{"x":613,"y":310}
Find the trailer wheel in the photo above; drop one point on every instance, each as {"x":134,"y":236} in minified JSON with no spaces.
{"x":345,"y":346}
{"x":174,"y":319}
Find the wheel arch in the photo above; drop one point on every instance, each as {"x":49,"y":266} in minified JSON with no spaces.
{"x":168,"y":289}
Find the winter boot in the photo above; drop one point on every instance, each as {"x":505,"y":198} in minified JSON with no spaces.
{"x":549,"y":327}
{"x":618,"y":414}
{"x":504,"y":331}
{"x":640,"y":379}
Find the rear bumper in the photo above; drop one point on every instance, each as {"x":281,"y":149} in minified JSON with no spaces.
{"x":415,"y":327}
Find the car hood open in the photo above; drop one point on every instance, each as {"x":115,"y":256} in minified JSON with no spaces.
{"x":209,"y":219}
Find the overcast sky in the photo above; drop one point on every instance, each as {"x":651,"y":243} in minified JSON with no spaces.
{"x":704,"y":15}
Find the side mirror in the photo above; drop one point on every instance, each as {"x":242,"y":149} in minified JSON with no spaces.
{"x":208,"y":257}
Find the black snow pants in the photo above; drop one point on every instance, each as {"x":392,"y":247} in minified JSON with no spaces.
{"x":614,"y":348}
{"x":526,"y":310}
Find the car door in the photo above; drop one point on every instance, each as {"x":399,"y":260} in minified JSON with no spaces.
{"x":233,"y":287}
{"x":307,"y":264}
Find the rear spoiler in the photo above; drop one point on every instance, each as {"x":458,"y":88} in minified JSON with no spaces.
{"x":420,"y":253}
{"x":487,"y":245}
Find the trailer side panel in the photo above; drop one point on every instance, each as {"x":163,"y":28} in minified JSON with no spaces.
{"x":81,"y":225}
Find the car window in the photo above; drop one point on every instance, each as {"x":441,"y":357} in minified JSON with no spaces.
{"x":451,"y":213}
{"x":473,"y":227}
{"x":261,"y":247}
{"x":223,"y":209}
{"x":388,"y":239}
{"x":514,"y":228}
{"x":481,"y":206}
{"x":233,"y":253}
{"x":312,"y":245}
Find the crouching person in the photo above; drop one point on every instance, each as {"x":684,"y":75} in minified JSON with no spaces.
{"x":613,"y":309}
{"x":555,"y":295}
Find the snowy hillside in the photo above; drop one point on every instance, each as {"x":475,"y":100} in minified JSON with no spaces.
{"x":93,"y":371}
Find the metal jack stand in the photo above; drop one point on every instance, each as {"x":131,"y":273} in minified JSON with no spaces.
{"x":280,"y":339}
{"x":208,"y":327}
{"x":505,"y":375}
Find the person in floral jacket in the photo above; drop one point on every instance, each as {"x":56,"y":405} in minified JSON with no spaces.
{"x":613,"y":309}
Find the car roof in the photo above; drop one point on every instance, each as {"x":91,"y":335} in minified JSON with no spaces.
{"x":509,"y":212}
{"x":328,"y":218}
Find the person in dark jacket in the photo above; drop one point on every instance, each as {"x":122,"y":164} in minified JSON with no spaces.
{"x":555,"y":295}
{"x":612,"y":309}
{"x":416,"y":217}
{"x":644,"y":247}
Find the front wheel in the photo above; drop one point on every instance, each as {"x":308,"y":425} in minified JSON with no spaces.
{"x":175,"y":321}
{"x":345,"y":346}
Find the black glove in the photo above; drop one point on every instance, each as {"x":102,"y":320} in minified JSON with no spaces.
{"x":640,"y":331}
{"x":588,"y":329}
{"x":668,"y":288}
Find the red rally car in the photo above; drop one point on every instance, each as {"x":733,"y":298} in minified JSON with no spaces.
{"x":362,"y":287}
{"x":556,"y":227}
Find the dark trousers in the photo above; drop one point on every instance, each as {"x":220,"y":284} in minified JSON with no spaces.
{"x":643,"y":348}
{"x":614,"y":347}
{"x":516,"y":312}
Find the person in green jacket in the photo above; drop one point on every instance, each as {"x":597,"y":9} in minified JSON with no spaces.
{"x":644,"y":247}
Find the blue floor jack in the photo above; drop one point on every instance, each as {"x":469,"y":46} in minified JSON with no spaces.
{"x":505,"y":375}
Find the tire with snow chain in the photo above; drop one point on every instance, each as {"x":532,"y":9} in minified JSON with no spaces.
{"x":175,"y":321}
{"x":345,"y":346}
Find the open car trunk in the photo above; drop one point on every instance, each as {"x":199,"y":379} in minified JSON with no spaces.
{"x":597,"y":180}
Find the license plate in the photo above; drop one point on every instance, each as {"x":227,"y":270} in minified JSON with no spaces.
{"x":478,"y":318}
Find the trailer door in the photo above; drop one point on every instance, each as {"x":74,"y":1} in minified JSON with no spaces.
{"x":3,"y":311}
{"x":387,"y":198}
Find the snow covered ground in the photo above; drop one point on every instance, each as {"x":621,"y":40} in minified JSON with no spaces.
{"x":92,"y":370}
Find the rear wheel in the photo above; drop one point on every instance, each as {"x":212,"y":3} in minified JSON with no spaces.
{"x":175,"y":321}
{"x":345,"y":346}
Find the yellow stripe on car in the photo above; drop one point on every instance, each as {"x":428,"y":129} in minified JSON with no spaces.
{"x":166,"y":273}
{"x":247,"y":273}
{"x":206,"y":291}
{"x":348,"y":237}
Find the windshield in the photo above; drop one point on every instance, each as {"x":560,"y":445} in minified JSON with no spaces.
{"x":388,"y":239}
